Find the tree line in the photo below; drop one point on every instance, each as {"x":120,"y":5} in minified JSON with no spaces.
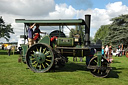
{"x":115,"y":33}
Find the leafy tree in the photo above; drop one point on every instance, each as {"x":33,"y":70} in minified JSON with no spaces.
{"x":101,"y":33}
{"x":115,"y":33}
{"x":118,"y":33}
{"x":5,"y":30}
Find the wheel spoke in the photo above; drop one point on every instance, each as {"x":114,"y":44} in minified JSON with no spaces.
{"x":47,"y":53}
{"x":32,"y":59}
{"x":98,"y":71}
{"x":32,"y":54}
{"x":94,"y":70}
{"x":48,"y":56}
{"x":40,"y":67}
{"x":48,"y":60}
{"x":34,"y":51}
{"x":95,"y":61}
{"x":43,"y":65}
{"x":47,"y":64}
{"x":35,"y":65}
{"x":34,"y":62}
{"x":40,"y":49}
{"x":37,"y":49}
{"x":44,"y":50}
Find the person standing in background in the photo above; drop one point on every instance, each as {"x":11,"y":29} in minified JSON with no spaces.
{"x":9,"y":49}
{"x":106,"y":51}
{"x":118,"y":51}
{"x":110,"y":54}
{"x":3,"y":47}
{"x":103,"y":51}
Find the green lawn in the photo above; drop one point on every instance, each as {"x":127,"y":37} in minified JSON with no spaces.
{"x":74,"y":73}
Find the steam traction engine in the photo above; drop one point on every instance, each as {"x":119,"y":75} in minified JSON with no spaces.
{"x":52,"y":50}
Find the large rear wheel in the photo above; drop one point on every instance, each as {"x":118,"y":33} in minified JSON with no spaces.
{"x":40,"y":57}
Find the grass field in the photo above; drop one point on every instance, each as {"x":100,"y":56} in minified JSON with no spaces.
{"x":74,"y":73}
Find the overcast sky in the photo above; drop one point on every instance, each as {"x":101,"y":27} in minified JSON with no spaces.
{"x":101,"y":12}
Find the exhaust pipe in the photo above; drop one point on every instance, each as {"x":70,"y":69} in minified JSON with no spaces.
{"x":87,"y":29}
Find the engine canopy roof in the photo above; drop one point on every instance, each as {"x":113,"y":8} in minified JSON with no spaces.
{"x":53,"y":22}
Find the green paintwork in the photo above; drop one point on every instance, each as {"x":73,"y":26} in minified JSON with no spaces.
{"x":24,"y":51}
{"x":53,"y":22}
{"x":99,"y":58}
{"x":65,"y":42}
{"x":25,"y":48}
{"x":45,"y":39}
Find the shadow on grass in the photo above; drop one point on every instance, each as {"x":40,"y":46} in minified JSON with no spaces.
{"x":114,"y":73}
{"x":71,"y":67}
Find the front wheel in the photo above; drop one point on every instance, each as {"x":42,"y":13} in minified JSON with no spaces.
{"x":99,"y":71}
{"x":40,"y":57}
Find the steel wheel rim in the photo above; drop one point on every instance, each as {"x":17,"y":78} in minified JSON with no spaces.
{"x":98,"y":72}
{"x":40,"y":58}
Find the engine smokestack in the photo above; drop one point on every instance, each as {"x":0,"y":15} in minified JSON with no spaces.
{"x":87,"y":29}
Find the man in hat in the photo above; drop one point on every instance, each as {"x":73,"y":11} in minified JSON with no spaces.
{"x":37,"y":33}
